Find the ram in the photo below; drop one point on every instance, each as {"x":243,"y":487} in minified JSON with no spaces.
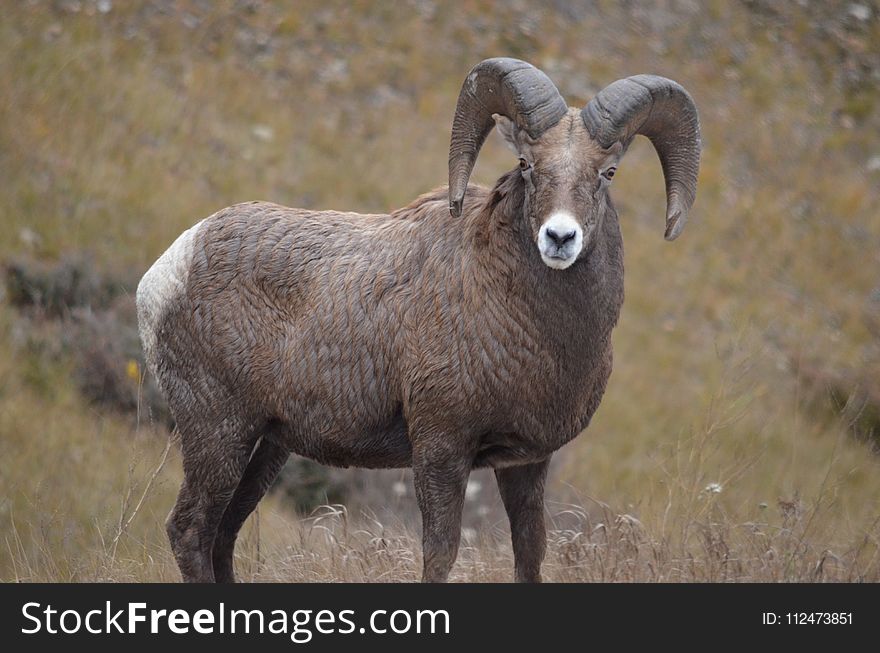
{"x":469,"y":329}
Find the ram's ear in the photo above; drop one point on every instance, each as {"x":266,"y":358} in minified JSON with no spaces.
{"x":508,"y":131}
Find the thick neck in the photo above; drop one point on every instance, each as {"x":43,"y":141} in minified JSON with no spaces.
{"x":583,"y":301}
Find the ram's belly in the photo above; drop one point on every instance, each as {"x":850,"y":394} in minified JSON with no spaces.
{"x":384,"y":445}
{"x":510,"y":454}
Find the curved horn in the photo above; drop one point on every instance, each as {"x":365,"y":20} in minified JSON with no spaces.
{"x":664,"y":111}
{"x":509,"y":87}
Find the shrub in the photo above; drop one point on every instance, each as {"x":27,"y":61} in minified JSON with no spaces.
{"x":55,"y":289}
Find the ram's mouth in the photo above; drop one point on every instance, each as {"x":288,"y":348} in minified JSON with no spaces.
{"x":557,"y":261}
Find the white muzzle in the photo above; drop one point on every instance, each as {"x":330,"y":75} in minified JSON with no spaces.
{"x":560,"y":240}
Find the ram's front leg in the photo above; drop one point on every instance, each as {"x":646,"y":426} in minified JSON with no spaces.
{"x":522,"y":491}
{"x":441,"y":473}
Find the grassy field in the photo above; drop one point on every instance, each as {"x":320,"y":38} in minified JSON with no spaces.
{"x":738,"y":438}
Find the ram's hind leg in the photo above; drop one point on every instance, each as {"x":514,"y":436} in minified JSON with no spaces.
{"x":215,"y":455}
{"x":265,"y":463}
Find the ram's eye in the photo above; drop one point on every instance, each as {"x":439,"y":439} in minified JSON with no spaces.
{"x":523,"y":164}
{"x":609,"y":173}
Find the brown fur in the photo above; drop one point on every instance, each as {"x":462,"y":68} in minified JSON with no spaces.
{"x":411,"y":339}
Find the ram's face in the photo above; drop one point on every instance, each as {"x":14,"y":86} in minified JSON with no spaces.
{"x":566,"y":177}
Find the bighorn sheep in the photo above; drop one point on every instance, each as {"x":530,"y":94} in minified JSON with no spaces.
{"x":470,"y":329}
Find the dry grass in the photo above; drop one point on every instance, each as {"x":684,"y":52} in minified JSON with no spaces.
{"x":117,"y":131}
{"x":685,"y":532}
{"x":596,"y":545}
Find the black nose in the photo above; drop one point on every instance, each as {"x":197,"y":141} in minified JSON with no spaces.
{"x":559,"y":239}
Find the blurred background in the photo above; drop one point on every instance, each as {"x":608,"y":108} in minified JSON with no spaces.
{"x":739,"y":436}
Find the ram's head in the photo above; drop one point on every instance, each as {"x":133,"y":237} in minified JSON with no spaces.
{"x":568,"y":157}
